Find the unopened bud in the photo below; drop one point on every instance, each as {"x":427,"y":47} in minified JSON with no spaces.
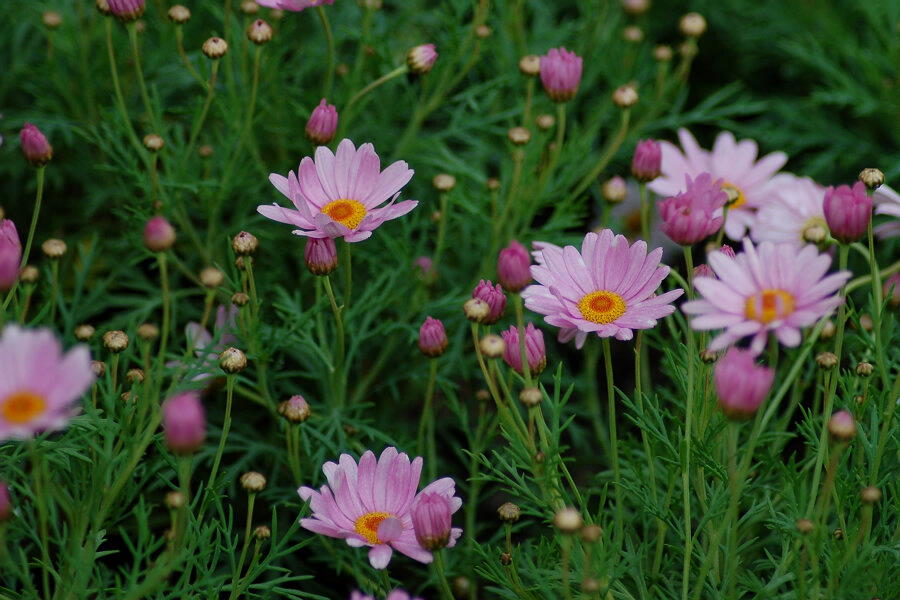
{"x":244,"y":244}
{"x":545,"y":122}
{"x":153,"y":142}
{"x":98,"y":367}
{"x":842,"y":426}
{"x":482,"y":395}
{"x":175,"y":500}
{"x":505,"y":559}
{"x":215,"y":48}
{"x":865,"y":321}
{"x":530,"y":397}
{"x":509,"y":512}
{"x":262,"y":533}
{"x":84,"y":333}
{"x":568,"y":520}
{"x":29,"y":274}
{"x":492,"y":346}
{"x":240,"y":299}
{"x":530,"y":65}
{"x":205,"y":151}
{"x":179,"y":14}
{"x":614,"y":190}
{"x":662,"y":53}
{"x":211,"y":277}
{"x":692,"y":24}
{"x":476,"y":309}
{"x":249,"y":7}
{"x":492,"y":184}
{"x":828,"y":330}
{"x":483,"y":32}
{"x":870,"y":494}
{"x":708,"y":356}
{"x":805,"y":526}
{"x":826,"y":360}
{"x":873,"y":178}
{"x":148,"y":332}
{"x":519,"y":136}
{"x":259,"y":32}
{"x":253,"y":482}
{"x":51,"y":19}
{"x":633,"y":34}
{"x":295,"y":410}
{"x":444,"y":182}
{"x":864,"y":369}
{"x":115,"y":341}
{"x":625,"y":96}
{"x":591,"y":533}
{"x":134,"y":376}
{"x":232,"y":361}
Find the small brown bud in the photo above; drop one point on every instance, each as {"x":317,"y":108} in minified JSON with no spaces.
{"x":29,"y":274}
{"x":341,"y":70}
{"x":539,"y":457}
{"x":805,"y":526}
{"x":519,"y":136}
{"x":253,"y":482}
{"x":864,"y":369}
{"x":232,"y":361}
{"x":215,"y":48}
{"x":243,"y":262}
{"x":249,"y":8}
{"x":870,"y":494}
{"x":147,"y":332}
{"x":509,"y":512}
{"x":51,"y":19}
{"x":84,"y":332}
{"x":826,"y":360}
{"x":692,"y":24}
{"x":482,"y":395}
{"x":493,"y":184}
{"x":244,"y":244}
{"x":153,"y":142}
{"x":179,"y":14}
{"x":259,"y":32}
{"x":115,"y":341}
{"x":873,"y":178}
{"x":568,"y":520}
{"x":53,"y":248}
{"x":211,"y":277}
{"x":262,"y":533}
{"x":625,"y":96}
{"x":103,"y":7}
{"x":530,"y":397}
{"x":633,"y":34}
{"x":128,"y":397}
{"x":175,"y":500}
{"x":483,"y":32}
{"x":98,"y":367}
{"x":276,"y":14}
{"x":545,"y":122}
{"x":444,"y":182}
{"x":134,"y":376}
{"x":205,"y":151}
{"x":476,"y":309}
{"x":295,"y":410}
{"x":708,"y":357}
{"x":828,"y":330}
{"x":492,"y":346}
{"x":530,"y":65}
{"x":591,"y":533}
{"x":590,"y":585}
{"x":240,"y":299}
{"x":865,"y":321}
{"x":435,"y":216}
{"x":462,"y":587}
{"x":838,"y":534}
{"x":662,"y":53}
{"x":636,"y":8}
{"x":614,"y":190}
{"x":505,"y":559}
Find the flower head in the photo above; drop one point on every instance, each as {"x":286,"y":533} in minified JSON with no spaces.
{"x":741,"y":384}
{"x":733,"y":162}
{"x":560,"y":74}
{"x":689,"y":217}
{"x":495,"y":298}
{"x":608,"y":288}
{"x":535,"y":349}
{"x":38,"y":383}
{"x":370,"y":504}
{"x":184,"y":422}
{"x":647,"y":160}
{"x":777,"y":288}
{"x":322,"y":124}
{"x":159,"y":235}
{"x":35,"y":147}
{"x":320,"y":255}
{"x":848,"y":211}
{"x":431,"y":515}
{"x":293,"y":5}
{"x":340,"y":195}
{"x":127,"y":10}
{"x":432,"y":338}
{"x":420,"y":59}
{"x":10,"y":254}
{"x":794,"y":214}
{"x":887,"y":202}
{"x":512,"y":267}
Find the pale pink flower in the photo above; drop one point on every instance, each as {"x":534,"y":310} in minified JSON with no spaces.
{"x":10,"y":254}
{"x":793,"y":215}
{"x":39,"y":385}
{"x":690,"y":216}
{"x":608,"y":288}
{"x":293,"y":5}
{"x":733,"y":162}
{"x":340,"y":195}
{"x":370,"y":504}
{"x":887,"y":202}
{"x":184,"y":423}
{"x":397,"y":594}
{"x":778,"y":288}
{"x":741,"y":384}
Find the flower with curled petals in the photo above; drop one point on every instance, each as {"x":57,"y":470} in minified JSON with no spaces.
{"x":608,"y":288}
{"x":370,"y":504}
{"x":770,"y":287}
{"x":340,"y":195}
{"x":887,"y":202}
{"x":751,"y":180}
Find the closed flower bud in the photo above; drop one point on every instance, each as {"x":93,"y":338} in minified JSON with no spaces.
{"x":175,"y":500}
{"x":211,"y":278}
{"x":295,"y":410}
{"x":545,"y":122}
{"x":865,"y":322}
{"x":591,"y":533}
{"x":134,"y":376}
{"x":872,"y":178}
{"x":84,"y":333}
{"x":509,"y":512}
{"x":864,"y":369}
{"x":492,"y":184}
{"x":431,"y":518}
{"x":215,"y":48}
{"x":159,"y":235}
{"x":127,"y":10}
{"x":153,"y":142}
{"x":462,"y":588}
{"x":495,"y":298}
{"x":589,"y":585}
{"x":635,"y":7}
{"x":184,"y":423}
{"x":560,"y":74}
{"x":842,"y":426}
{"x":870,"y":495}
{"x":320,"y":255}
{"x":259,"y":32}
{"x":530,"y":65}
{"x":420,"y":59}
{"x":535,"y":350}
{"x":513,"y":266}
{"x":633,"y":34}
{"x":51,"y":19}
{"x":519,"y":136}
{"x":482,"y":395}
{"x":244,"y":244}
{"x":54,"y":249}
{"x":322,"y":123}
{"x":828,"y":330}
{"x":492,"y":346}
{"x":741,"y":384}
{"x":444,"y":182}
{"x":625,"y":96}
{"x":505,"y":559}
{"x":249,"y":8}
{"x":424,"y":270}
{"x":483,"y":32}
{"x":529,"y":397}
{"x":262,"y":533}
{"x":708,"y":357}
{"x":476,"y":309}
{"x":692,"y":24}
{"x":847,"y":211}
{"x":115,"y":341}
{"x":826,"y":360}
{"x":614,"y":190}
{"x":253,"y":482}
{"x":29,"y":274}
{"x":10,"y":254}
{"x":815,"y":233}
{"x":568,"y":520}
{"x":662,"y":53}
{"x":647,"y":161}
{"x":5,"y":503}
{"x":147,"y":332}
{"x":35,"y":147}
{"x":179,"y":14}
{"x":205,"y":151}
{"x":240,"y":299}
{"x":432,"y":338}
{"x":805,"y":526}
{"x":703,"y":270}
{"x":232,"y":361}
{"x":103,"y":7}
{"x":98,"y":367}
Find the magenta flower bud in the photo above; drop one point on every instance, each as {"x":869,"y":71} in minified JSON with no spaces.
{"x":5,"y":503}
{"x":127,"y":10}
{"x":424,"y":269}
{"x":647,"y":161}
{"x":322,"y":124}
{"x":495,"y":298}
{"x":727,"y":250}
{"x":560,"y":74}
{"x":432,"y":338}
{"x":847,"y":211}
{"x":513,"y":267}
{"x":431,"y":516}
{"x":703,"y":270}
{"x":10,"y":254}
{"x":159,"y":235}
{"x":421,"y":58}
{"x":35,"y":147}
{"x":320,"y":255}
{"x":741,"y":384}
{"x":534,"y":349}
{"x":688,"y":217}
{"x":184,"y":422}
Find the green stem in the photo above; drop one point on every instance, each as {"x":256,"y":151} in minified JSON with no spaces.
{"x":226,"y":426}
{"x":337,"y":375}
{"x":31,"y":229}
{"x":442,"y":230}
{"x":114,"y":73}
{"x":520,"y":321}
{"x":135,"y":49}
{"x":247,"y":531}
{"x":198,"y":124}
{"x":614,"y":441}
{"x":329,"y":75}
{"x":645,"y":212}
{"x":733,"y":520}
{"x":560,"y":132}
{"x":371,"y":86}
{"x":54,"y":278}
{"x":426,"y":423}
{"x":608,"y":153}
{"x":686,"y":456}
{"x":167,"y":316}
{"x":446,"y":592}
{"x":41,"y":501}
{"x":348,"y":276}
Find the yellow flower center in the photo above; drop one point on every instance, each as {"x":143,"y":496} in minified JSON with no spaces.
{"x":735,"y":195}
{"x":769,"y":305}
{"x":367,"y":525}
{"x":22,"y":407}
{"x":346,"y":212}
{"x":602,"y":307}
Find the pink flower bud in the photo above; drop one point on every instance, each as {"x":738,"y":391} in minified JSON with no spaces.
{"x":495,"y":298}
{"x":293,"y":5}
{"x":847,"y":211}
{"x":159,"y":235}
{"x":703,"y":270}
{"x":688,"y":217}
{"x":560,"y":74}
{"x":322,"y":124}
{"x":727,"y":250}
{"x":424,"y":269}
{"x":184,"y":422}
{"x":35,"y":147}
{"x":421,"y":58}
{"x":534,"y":349}
{"x":127,"y":10}
{"x":431,"y":517}
{"x":432,"y":338}
{"x":741,"y":384}
{"x":10,"y":254}
{"x":647,"y":161}
{"x":513,"y":267}
{"x":5,"y":503}
{"x":320,"y":255}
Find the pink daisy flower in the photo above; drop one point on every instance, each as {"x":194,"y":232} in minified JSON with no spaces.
{"x":38,"y":383}
{"x":293,"y":5}
{"x":777,"y":288}
{"x":608,"y":288}
{"x":733,"y":162}
{"x":794,"y":215}
{"x":340,"y":195}
{"x":887,"y":202}
{"x":370,"y":504}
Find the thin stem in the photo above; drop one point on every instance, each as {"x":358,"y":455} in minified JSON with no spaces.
{"x":426,"y":423}
{"x":529,"y":94}
{"x":198,"y":124}
{"x":337,"y":375}
{"x":54,"y":289}
{"x":520,"y":321}
{"x":31,"y":229}
{"x":371,"y":86}
{"x":247,"y":531}
{"x":689,"y":418}
{"x":329,"y":74}
{"x":41,"y":501}
{"x":442,"y":230}
{"x":226,"y":426}
{"x":733,"y":520}
{"x":348,"y":276}
{"x":645,"y":212}
{"x":135,"y":49}
{"x":179,"y":38}
{"x":167,"y":314}
{"x":607,"y":155}
{"x":560,"y":130}
{"x":613,"y":438}
{"x":446,"y":592}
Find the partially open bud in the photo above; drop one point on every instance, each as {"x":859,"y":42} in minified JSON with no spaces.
{"x":115,"y":341}
{"x":492,"y":346}
{"x":495,"y":298}
{"x":322,"y":124}
{"x":842,"y":426}
{"x":232,"y":361}
{"x":872,"y":178}
{"x":420,"y":59}
{"x":530,"y":65}
{"x":35,"y":147}
{"x":692,"y":24}
{"x":159,"y":235}
{"x":179,"y":14}
{"x":54,"y":249}
{"x":432,"y":338}
{"x":320,"y":255}
{"x":443,"y":182}
{"x":215,"y":48}
{"x":253,"y":482}
{"x":614,"y":190}
{"x":295,"y":410}
{"x":84,"y":333}
{"x":568,"y":520}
